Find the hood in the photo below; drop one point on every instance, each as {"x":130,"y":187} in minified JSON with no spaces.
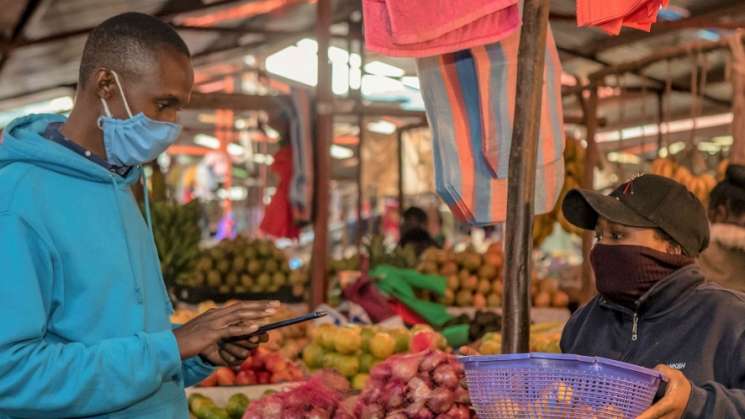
{"x":22,"y":141}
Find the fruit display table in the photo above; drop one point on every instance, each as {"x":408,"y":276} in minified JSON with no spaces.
{"x":220,"y":395}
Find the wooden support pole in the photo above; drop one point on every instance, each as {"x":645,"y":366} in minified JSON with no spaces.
{"x":660,"y":119}
{"x":588,"y":182}
{"x":324,"y":132}
{"x":521,"y":183}
{"x":401,"y":198}
{"x":359,"y":107}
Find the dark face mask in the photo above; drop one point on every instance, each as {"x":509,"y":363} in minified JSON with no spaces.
{"x":624,"y":273}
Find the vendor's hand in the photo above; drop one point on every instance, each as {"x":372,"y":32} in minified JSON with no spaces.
{"x":673,"y":404}
{"x":233,"y":353}
{"x":206,"y":330}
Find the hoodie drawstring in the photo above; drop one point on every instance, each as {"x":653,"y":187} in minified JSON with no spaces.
{"x":148,"y":217}
{"x":138,"y":287}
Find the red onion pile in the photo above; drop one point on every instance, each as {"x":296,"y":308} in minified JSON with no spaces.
{"x":424,"y":385}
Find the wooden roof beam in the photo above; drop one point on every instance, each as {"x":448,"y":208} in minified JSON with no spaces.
{"x":676,"y":86}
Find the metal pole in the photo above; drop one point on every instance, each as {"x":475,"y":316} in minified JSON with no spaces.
{"x":324,"y":132}
{"x":588,"y":182}
{"x":360,"y":232}
{"x":400,"y":143}
{"x":521,"y":184}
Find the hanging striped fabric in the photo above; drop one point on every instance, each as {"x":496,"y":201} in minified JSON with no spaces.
{"x":470,"y":101}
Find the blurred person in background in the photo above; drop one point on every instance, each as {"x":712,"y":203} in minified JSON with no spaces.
{"x":724,"y":259}
{"x":415,"y":230}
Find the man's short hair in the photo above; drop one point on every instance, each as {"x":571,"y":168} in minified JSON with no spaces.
{"x":128,"y":43}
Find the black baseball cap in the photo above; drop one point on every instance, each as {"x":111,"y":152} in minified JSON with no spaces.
{"x":649,"y":201}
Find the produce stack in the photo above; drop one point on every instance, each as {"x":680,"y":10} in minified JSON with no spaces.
{"x":262,"y":367}
{"x":321,"y":397}
{"x":481,"y":323}
{"x":473,"y":280}
{"x":423,"y":385}
{"x":202,"y":407}
{"x":177,"y":235}
{"x":353,"y":350}
{"x":545,"y":293}
{"x":700,"y":185}
{"x":544,"y":337}
{"x":288,"y":341}
{"x":241,"y":267}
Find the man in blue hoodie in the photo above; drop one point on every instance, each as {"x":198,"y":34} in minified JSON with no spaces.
{"x":85,"y":313}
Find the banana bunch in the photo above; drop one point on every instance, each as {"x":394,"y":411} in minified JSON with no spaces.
{"x":177,"y":236}
{"x":698,"y":185}
{"x":574,"y":161}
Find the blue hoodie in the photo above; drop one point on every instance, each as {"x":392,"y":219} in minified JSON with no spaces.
{"x":85,"y":314}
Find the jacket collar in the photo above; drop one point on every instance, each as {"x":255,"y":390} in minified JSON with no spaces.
{"x":663,"y":296}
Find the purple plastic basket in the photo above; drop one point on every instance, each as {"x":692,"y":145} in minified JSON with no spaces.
{"x":549,"y":386}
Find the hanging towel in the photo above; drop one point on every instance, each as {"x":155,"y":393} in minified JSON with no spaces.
{"x":422,"y":28}
{"x":470,"y":102}
{"x":278,"y":219}
{"x":611,"y":15}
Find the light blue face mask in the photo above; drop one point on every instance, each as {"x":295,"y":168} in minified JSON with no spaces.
{"x":136,"y":140}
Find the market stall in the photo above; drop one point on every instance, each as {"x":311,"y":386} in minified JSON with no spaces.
{"x":293,"y":174}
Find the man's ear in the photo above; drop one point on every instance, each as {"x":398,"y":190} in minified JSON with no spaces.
{"x":104,"y":83}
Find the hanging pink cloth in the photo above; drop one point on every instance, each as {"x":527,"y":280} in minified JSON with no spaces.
{"x":423,"y":28}
{"x":611,"y":15}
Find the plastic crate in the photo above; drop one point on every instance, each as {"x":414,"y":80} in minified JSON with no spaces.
{"x":549,"y":386}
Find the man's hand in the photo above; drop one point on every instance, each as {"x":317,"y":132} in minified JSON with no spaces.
{"x":673,"y":404}
{"x":202,"y":333}
{"x":232,"y":354}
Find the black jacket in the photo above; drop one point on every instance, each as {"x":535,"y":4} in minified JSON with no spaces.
{"x":694,"y":326}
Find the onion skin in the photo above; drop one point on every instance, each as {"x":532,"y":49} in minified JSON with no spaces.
{"x":441,"y":400}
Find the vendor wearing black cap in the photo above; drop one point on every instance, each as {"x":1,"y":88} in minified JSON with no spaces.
{"x":654,"y":307}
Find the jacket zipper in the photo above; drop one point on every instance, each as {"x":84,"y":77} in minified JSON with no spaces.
{"x":634,"y":317}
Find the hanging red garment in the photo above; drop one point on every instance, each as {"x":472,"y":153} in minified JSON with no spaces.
{"x":611,"y":15}
{"x":423,"y":28}
{"x":278,"y":218}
